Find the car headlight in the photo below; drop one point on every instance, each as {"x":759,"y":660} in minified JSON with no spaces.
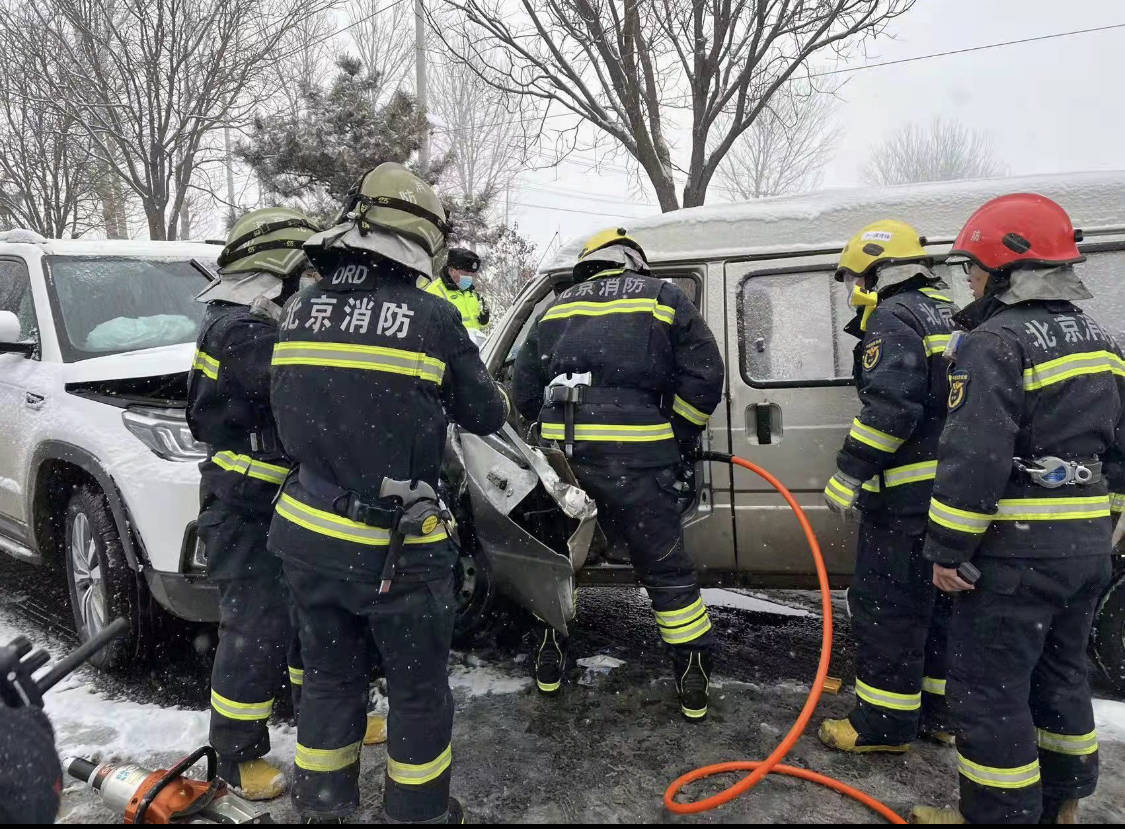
{"x":165,"y":432}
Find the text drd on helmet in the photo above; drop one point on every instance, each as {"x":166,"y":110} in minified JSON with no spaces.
{"x":393,"y":213}
{"x":610,"y":249}
{"x":881,"y":243}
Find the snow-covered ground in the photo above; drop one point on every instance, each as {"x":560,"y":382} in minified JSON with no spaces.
{"x":604,"y":750}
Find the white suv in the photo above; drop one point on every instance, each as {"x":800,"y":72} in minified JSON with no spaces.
{"x":98,"y":471}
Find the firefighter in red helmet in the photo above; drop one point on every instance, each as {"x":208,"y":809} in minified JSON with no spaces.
{"x":1019,"y":523}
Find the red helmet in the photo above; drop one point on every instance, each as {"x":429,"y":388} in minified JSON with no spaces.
{"x":1019,"y":229}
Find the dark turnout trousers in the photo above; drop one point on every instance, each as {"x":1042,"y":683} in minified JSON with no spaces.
{"x":412,"y":626}
{"x":900,"y":624}
{"x":255,"y":631}
{"x":639,"y":506}
{"x":1018,"y":686}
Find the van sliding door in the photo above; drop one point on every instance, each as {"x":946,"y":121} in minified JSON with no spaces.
{"x":792,"y":401}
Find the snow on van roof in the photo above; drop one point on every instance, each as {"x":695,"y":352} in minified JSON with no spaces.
{"x":827,"y":219}
{"x":112,"y":247}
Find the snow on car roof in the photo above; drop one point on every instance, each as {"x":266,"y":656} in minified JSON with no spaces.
{"x":827,"y":219}
{"x":115,"y":247}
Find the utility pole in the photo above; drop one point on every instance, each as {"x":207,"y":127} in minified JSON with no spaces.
{"x":420,"y":70}
{"x":230,"y":178}
{"x":507,"y":202}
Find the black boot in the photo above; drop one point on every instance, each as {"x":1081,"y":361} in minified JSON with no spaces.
{"x":550,"y":658}
{"x":693,"y":675}
{"x":453,"y":814}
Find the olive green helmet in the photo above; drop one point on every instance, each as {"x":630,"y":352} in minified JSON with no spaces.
{"x":268,"y":240}
{"x":391,"y":212}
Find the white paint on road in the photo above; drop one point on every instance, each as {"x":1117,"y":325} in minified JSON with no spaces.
{"x":718,"y":597}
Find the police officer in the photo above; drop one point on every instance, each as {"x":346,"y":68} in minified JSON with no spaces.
{"x":456,"y":284}
{"x":1019,"y":521}
{"x":228,"y":409}
{"x":367,"y":372}
{"x":623,"y":372}
{"x":886,"y":469}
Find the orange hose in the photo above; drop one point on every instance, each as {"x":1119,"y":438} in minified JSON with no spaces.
{"x":771,"y":764}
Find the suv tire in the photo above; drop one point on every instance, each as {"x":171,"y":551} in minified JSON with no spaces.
{"x":1107,"y":642}
{"x":102,"y":585}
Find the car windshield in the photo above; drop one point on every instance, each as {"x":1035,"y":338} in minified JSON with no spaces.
{"x":113,"y":304}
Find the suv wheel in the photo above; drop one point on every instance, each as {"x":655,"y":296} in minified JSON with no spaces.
{"x":102,"y":585}
{"x":1108,"y":639}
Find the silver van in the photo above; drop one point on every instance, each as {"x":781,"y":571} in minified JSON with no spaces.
{"x":761,"y":274}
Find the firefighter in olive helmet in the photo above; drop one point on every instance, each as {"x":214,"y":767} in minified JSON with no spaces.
{"x":228,"y":409}
{"x":622,"y":371}
{"x":1029,"y":470}
{"x":367,"y":373}
{"x":456,"y":283}
{"x":885,"y":470}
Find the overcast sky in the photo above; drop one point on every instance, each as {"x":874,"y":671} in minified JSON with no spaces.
{"x":1052,"y":106}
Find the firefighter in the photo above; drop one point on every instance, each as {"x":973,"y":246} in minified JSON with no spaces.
{"x":623,"y":372}
{"x":367,"y":372}
{"x":455,"y":283}
{"x":1019,"y":523}
{"x":228,"y":409}
{"x":886,"y":470}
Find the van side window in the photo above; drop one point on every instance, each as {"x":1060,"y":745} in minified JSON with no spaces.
{"x":790,"y":329}
{"x":1102,"y":272}
{"x":15,"y":295}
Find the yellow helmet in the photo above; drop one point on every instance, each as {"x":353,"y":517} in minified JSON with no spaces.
{"x":610,"y":236}
{"x":886,"y":241}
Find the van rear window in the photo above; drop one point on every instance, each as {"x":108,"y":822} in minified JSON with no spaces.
{"x":790,"y":329}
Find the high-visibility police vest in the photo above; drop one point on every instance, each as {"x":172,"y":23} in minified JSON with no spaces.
{"x":467,"y":302}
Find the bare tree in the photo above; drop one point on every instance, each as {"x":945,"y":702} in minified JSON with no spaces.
{"x":47,"y":179}
{"x":383,"y":35}
{"x":484,"y":130}
{"x":639,"y":70}
{"x":150,"y":80}
{"x":944,"y":151}
{"x":786,"y":148}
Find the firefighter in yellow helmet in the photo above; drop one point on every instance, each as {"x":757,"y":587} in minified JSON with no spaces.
{"x":886,"y":470}
{"x":623,"y":372}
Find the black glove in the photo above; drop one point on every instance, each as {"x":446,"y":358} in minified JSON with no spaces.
{"x":690,"y":449}
{"x":485,"y":314}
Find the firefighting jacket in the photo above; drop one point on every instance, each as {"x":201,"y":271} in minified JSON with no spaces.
{"x":1031,"y":380}
{"x":467,"y":303}
{"x":900,"y":375}
{"x":229,"y":408}
{"x":367,"y":372}
{"x":656,"y":371}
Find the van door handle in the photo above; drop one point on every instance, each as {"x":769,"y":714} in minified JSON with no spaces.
{"x":763,"y":423}
{"x":33,"y":401}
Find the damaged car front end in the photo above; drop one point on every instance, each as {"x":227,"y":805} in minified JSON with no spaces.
{"x":530,"y":522}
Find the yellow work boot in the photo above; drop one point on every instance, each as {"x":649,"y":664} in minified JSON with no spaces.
{"x":256,"y":779}
{"x":945,"y":738}
{"x":1060,"y":811}
{"x":376,"y":732}
{"x":842,"y":736}
{"x":935,"y":814}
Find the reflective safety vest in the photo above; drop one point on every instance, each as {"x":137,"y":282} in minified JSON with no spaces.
{"x":900,"y":372}
{"x":466,"y":302}
{"x":1032,"y":380}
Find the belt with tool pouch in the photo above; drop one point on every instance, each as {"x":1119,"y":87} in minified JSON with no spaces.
{"x":1052,"y":472}
{"x":574,"y":389}
{"x":403,"y":507}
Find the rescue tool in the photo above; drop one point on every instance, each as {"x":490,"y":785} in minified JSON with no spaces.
{"x":568,"y":389}
{"x":166,"y":795}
